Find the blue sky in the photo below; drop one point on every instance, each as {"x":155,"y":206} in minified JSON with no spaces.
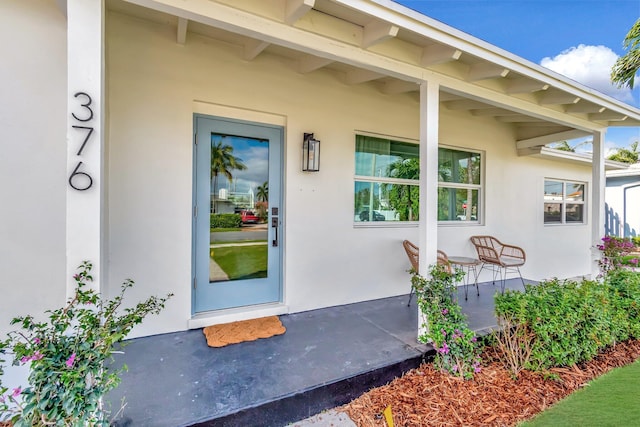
{"x":255,"y":156}
{"x":578,"y":38}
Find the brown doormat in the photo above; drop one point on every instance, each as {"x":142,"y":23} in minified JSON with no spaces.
{"x":244,"y":330}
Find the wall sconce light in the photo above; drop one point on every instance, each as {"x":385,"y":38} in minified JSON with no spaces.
{"x":310,"y":153}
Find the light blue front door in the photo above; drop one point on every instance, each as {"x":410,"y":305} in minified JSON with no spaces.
{"x":237,"y":174}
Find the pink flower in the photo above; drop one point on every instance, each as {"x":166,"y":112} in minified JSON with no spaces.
{"x":37,"y":340}
{"x":445,"y":311}
{"x":35,"y":356}
{"x":70,"y":360}
{"x":444,"y":349}
{"x":16,"y":392}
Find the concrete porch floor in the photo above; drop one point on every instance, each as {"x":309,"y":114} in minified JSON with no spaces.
{"x":326,"y":358}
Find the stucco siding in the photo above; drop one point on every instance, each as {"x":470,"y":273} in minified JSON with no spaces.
{"x":33,"y":159}
{"x":154,"y":87}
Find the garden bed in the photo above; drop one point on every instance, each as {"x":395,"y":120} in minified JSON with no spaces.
{"x":425,"y":396}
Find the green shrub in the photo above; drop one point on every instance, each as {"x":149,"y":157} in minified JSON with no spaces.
{"x":226,"y":220}
{"x":457,"y":350}
{"x":625,"y":285}
{"x":66,"y":356}
{"x":566,"y":322}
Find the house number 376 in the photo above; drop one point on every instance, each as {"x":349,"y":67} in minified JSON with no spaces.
{"x":79,"y":180}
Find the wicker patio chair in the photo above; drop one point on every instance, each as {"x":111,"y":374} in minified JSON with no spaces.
{"x":500,"y":257}
{"x":413,"y":253}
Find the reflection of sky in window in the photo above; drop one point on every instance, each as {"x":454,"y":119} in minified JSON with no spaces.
{"x":254,"y":154}
{"x":553,"y":187}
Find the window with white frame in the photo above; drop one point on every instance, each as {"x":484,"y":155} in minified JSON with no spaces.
{"x":564,"y":202}
{"x":386,"y":180}
{"x":459,"y":185}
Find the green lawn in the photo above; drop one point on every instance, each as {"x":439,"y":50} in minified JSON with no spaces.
{"x":610,"y":400}
{"x":242,"y":262}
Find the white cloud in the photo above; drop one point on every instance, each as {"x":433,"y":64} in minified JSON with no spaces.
{"x":591,"y":66}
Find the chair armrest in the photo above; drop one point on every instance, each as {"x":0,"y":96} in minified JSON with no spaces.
{"x":513,"y":252}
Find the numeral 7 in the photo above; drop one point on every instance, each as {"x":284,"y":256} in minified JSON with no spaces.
{"x":90,"y":129}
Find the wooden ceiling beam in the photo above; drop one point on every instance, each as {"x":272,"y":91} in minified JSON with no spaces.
{"x":493,"y":111}
{"x":525,"y":86}
{"x":485,"y":71}
{"x":253,"y":48}
{"x":547,"y":139}
{"x":584,"y":107}
{"x":359,"y":76}
{"x":309,"y":63}
{"x":376,"y":32}
{"x":181,"y":36}
{"x":608,"y":115}
{"x":557,"y":98}
{"x":399,"y":86}
{"x":439,"y":54}
{"x":520,"y":119}
{"x":296,"y":9}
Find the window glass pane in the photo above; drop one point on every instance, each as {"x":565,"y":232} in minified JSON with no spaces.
{"x":574,"y":212}
{"x":552,"y":190}
{"x":458,"y":166}
{"x":457,"y":204}
{"x":380,"y":157}
{"x":385,"y":202}
{"x":575,"y":192}
{"x":552,"y":212}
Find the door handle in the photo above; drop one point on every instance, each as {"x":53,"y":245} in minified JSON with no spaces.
{"x":274,"y":225}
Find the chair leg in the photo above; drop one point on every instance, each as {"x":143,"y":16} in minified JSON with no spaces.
{"x":518,"y":268}
{"x":410,"y":296}
{"x":475,"y":275}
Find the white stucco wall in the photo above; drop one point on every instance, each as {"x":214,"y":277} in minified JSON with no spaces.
{"x":153,"y":84}
{"x":623,"y":196}
{"x":33,"y":160}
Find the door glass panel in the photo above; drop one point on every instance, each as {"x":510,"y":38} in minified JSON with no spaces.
{"x":239,"y":206}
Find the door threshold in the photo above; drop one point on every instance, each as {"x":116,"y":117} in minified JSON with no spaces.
{"x":201,"y":320}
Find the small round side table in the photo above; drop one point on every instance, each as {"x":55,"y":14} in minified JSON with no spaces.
{"x":467,"y":265}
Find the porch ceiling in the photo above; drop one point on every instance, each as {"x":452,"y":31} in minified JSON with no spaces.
{"x":381,"y":43}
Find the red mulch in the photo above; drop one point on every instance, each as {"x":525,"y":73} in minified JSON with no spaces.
{"x":426,"y":397}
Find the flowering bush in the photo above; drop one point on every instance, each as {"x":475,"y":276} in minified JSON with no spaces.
{"x":457,"y":350}
{"x":66,"y":356}
{"x":615,"y":254}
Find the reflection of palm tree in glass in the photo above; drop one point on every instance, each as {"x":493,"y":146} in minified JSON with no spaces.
{"x":262,"y":192}
{"x":401,"y":196}
{"x":223,"y":162}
